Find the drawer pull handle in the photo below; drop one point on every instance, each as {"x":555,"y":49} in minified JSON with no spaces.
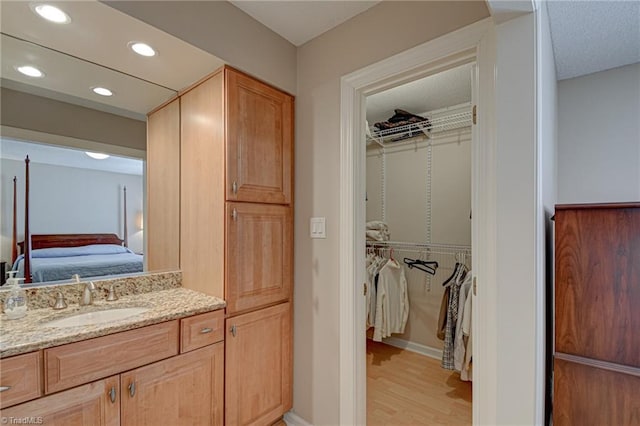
{"x":234,"y":214}
{"x":206,"y":330}
{"x":233,"y":330}
{"x":234,"y":187}
{"x":112,"y":394}
{"x":132,"y":389}
{"x":4,"y":388}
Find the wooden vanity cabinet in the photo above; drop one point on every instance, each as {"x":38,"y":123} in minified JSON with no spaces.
{"x":259,"y":368}
{"x":96,"y":403}
{"x":182,"y":389}
{"x":20,"y":378}
{"x":236,"y":230}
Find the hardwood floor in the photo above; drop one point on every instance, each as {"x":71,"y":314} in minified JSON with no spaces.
{"x":406,"y":388}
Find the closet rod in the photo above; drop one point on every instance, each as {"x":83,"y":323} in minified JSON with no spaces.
{"x":428,"y":246}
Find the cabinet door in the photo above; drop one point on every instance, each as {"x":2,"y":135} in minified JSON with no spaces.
{"x":258,"y":366}
{"x":259,"y":255}
{"x":163,"y":189}
{"x":184,"y":390}
{"x":93,"y":404}
{"x":259,"y":141}
{"x":597,"y":291}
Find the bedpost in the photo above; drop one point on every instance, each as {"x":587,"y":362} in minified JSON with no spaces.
{"x":126,"y":233}
{"x":14,"y":239}
{"x":27,"y":234}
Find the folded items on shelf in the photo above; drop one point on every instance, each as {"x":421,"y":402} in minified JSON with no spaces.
{"x":404,"y":118}
{"x":377,"y":225}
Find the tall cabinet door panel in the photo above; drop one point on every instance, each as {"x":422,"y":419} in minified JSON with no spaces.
{"x":259,"y":255}
{"x":258,"y":366}
{"x":163,"y":189}
{"x":184,"y":390}
{"x":259,"y":141}
{"x":93,"y":404}
{"x":598,"y":283}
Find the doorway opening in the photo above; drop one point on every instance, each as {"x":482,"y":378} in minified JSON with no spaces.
{"x":418,"y":250}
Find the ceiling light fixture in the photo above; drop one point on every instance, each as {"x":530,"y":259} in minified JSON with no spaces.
{"x":30,"y":71}
{"x":97,"y":155}
{"x":52,"y":13}
{"x":142,"y":48}
{"x":102,"y":91}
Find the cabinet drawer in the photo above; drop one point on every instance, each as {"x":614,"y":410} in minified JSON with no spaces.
{"x":20,"y":378}
{"x":82,"y":362}
{"x":587,"y":395}
{"x":201,"y":330}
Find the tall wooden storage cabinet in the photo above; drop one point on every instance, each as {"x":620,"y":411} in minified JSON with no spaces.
{"x":597,"y":315}
{"x":236,"y":227}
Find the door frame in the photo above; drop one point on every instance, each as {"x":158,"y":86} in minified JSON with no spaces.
{"x":475,"y":42}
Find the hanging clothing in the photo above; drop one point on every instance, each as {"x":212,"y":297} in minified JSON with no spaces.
{"x":392,"y":301}
{"x":459,"y":346}
{"x":442,"y":317}
{"x":374,"y":263}
{"x":452,"y":316}
{"x":465,"y":372}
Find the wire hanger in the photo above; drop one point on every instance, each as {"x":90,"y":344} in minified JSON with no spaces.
{"x":426,"y":266}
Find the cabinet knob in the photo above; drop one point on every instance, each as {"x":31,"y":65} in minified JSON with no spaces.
{"x":132,"y":389}
{"x":206,"y":330}
{"x":234,"y":187}
{"x":4,"y":388}
{"x":112,"y":394}
{"x":233,"y":330}
{"x":234,"y":214}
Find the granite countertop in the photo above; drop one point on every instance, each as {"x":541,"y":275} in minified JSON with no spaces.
{"x":29,"y":333}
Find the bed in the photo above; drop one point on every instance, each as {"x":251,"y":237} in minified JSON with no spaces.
{"x":55,"y":257}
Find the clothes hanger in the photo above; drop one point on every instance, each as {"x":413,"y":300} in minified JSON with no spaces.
{"x":425,"y":266}
{"x":457,"y":270}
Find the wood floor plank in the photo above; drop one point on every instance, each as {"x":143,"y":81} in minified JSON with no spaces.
{"x":406,"y":388}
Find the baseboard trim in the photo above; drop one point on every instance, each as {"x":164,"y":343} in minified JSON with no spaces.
{"x":414,"y":347}
{"x":292,"y":419}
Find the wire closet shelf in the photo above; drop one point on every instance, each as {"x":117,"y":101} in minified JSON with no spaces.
{"x":444,"y":120}
{"x":453,"y":249}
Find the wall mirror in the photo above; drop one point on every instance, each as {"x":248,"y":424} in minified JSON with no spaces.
{"x":86,"y":214}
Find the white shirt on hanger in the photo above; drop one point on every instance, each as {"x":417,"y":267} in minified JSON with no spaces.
{"x":392,"y":301}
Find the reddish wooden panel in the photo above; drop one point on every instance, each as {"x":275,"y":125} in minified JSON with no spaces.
{"x":585,"y":395}
{"x":597,"y":293}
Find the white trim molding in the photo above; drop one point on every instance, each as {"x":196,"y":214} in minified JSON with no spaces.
{"x":293,"y":419}
{"x":414,"y":347}
{"x":461,"y":46}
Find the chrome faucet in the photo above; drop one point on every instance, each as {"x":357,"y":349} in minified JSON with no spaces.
{"x":87,"y":294}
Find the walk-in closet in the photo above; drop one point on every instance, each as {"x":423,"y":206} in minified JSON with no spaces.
{"x":419,"y":285}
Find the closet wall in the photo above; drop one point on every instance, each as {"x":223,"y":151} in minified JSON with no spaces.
{"x":421,"y":187}
{"x":405,"y":189}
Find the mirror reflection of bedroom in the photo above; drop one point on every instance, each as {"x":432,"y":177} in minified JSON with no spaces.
{"x":418,"y":207}
{"x":85,"y":212}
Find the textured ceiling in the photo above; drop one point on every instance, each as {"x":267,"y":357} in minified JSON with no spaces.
{"x":300,"y":21}
{"x":592,"y":36}
{"x":445,"y":89}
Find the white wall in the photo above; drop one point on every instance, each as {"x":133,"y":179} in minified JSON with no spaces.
{"x":516,"y":207}
{"x":66,"y":200}
{"x":599,"y":137}
{"x":406,"y":215}
{"x":384,"y":30}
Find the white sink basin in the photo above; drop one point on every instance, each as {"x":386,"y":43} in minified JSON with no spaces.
{"x":97,"y":317}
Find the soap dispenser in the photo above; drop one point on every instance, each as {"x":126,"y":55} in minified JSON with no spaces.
{"x":15,"y":304}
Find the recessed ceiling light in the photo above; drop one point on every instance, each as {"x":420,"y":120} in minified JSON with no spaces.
{"x":97,"y":155}
{"x":102,"y":91}
{"x":52,"y":13}
{"x":30,"y":71}
{"x":142,"y":48}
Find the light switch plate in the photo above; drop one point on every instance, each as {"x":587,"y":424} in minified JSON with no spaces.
{"x":317,"y":227}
